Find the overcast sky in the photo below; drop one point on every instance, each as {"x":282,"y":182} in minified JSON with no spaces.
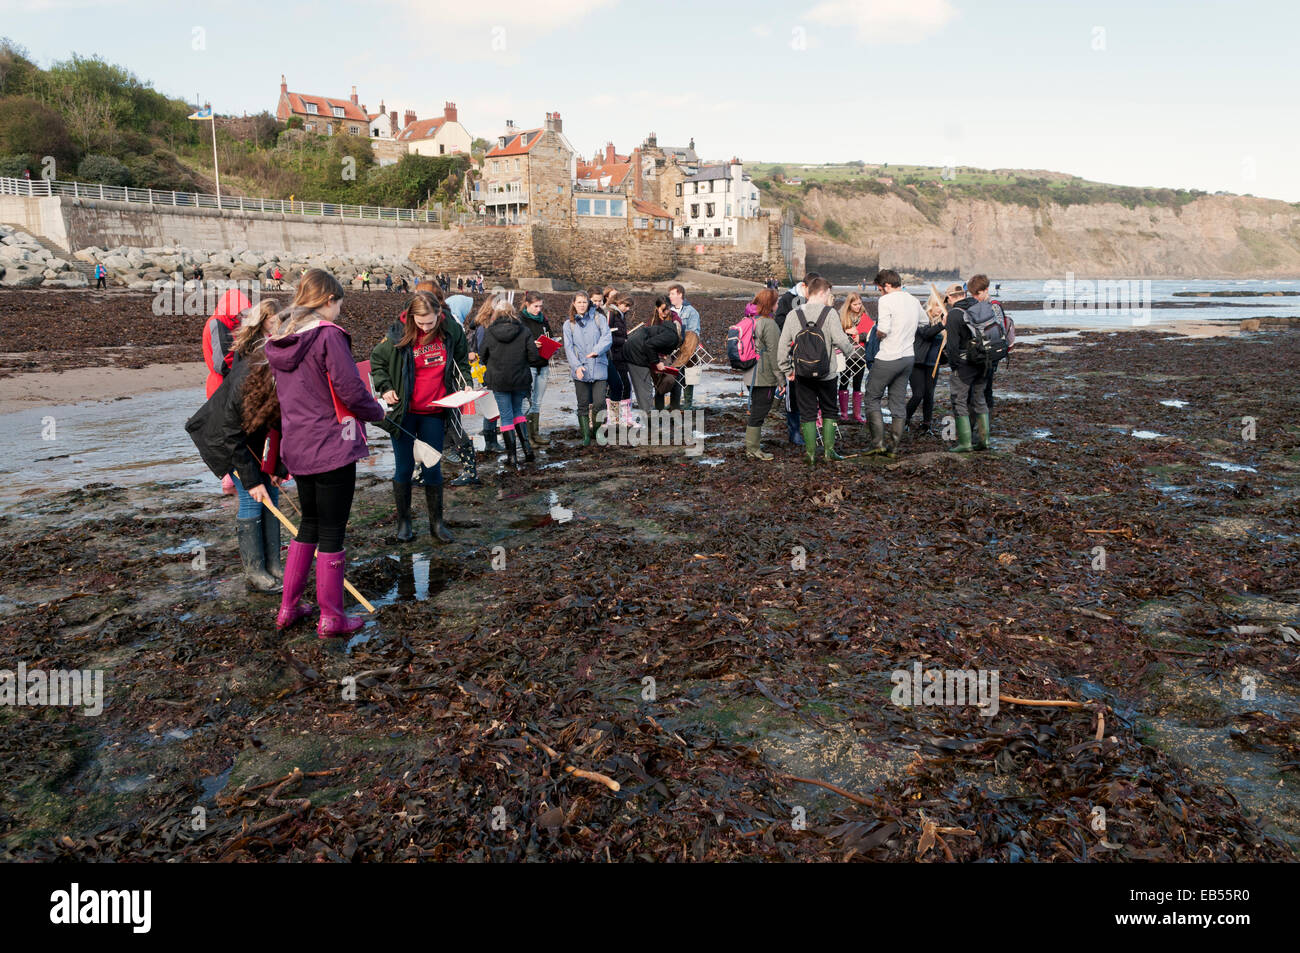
{"x":1180,"y":94}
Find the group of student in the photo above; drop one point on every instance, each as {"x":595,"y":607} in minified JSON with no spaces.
{"x":817,"y":360}
{"x":286,"y":397}
{"x":464,"y":283}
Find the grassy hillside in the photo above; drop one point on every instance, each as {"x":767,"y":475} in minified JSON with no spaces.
{"x":87,"y":120}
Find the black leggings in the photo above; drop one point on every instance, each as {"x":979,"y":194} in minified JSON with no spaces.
{"x":923,"y":381}
{"x":760,"y":404}
{"x":620,"y":385}
{"x":326,"y":500}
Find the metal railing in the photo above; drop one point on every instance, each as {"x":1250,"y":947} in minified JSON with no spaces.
{"x":707,"y":240}
{"x":43,"y":188}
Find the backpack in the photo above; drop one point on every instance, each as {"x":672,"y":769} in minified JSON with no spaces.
{"x":811,"y":356}
{"x":1008,"y":324}
{"x":988,"y":339}
{"x":741,"y":353}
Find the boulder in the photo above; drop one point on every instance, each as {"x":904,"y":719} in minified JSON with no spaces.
{"x":71,"y":279}
{"x":117,"y":264}
{"x":88,"y":255}
{"x":22,"y":278}
{"x":139,"y":285}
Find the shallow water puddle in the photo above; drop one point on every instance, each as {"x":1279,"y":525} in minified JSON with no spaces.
{"x":1174,"y":403}
{"x":1147,"y":434}
{"x":1233,"y":467}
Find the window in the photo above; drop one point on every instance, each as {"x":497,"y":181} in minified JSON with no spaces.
{"x":338,"y":111}
{"x":679,"y":188}
{"x":311,"y":108}
{"x":695,"y":211}
{"x":311,"y":126}
{"x":699,"y":233}
{"x":616,"y":208}
{"x":728,"y":211}
{"x":329,"y":128}
{"x":661,"y":224}
{"x":709,"y":210}
{"x":640,"y":223}
{"x":516,"y":165}
{"x":375,"y":132}
{"x":728,"y":231}
{"x":584,"y":206}
{"x":717,"y":233}
{"x":353,"y":130}
{"x":598,"y":207}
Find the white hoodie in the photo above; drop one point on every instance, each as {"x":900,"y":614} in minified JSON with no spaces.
{"x":900,"y":313}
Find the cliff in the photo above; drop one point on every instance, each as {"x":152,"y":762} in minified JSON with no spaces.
{"x":1213,"y":236}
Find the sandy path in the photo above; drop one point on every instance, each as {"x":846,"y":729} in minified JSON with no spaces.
{"x":95,"y":383}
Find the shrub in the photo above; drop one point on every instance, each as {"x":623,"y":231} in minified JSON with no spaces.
{"x":104,"y":169}
{"x":27,"y":125}
{"x":12,"y":167}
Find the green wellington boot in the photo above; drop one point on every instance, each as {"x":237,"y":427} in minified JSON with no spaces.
{"x":963,"y":436}
{"x":809,"y":431}
{"x":981,"y":432}
{"x":828,"y":440}
{"x":753,"y":444}
{"x":584,"y":427}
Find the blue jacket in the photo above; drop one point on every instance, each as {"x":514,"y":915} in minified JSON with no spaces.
{"x":589,"y":333}
{"x":690,"y":317}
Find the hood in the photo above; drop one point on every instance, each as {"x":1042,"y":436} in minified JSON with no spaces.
{"x":460,"y":307}
{"x":231,"y":304}
{"x":505,"y":330}
{"x":286,"y":353}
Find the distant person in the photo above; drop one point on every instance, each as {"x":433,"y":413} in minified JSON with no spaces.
{"x":460,"y":283}
{"x":925,"y":349}
{"x":647,"y":349}
{"x":787,"y":302}
{"x":587,"y":341}
{"x":805,"y":353}
{"x":537,"y":325}
{"x":101,"y":277}
{"x":969,"y":375}
{"x":474,"y":332}
{"x":509,"y":352}
{"x":618,"y":402}
{"x":690,"y":319}
{"x":766,"y":380}
{"x":852,"y":316}
{"x":365,"y":280}
{"x":898,"y":317}
{"x":198,"y":272}
{"x":388,"y":283}
{"x":218,"y":339}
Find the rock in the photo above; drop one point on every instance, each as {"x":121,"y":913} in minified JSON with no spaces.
{"x":58,"y":264}
{"x":22,"y":278}
{"x":74,"y":279}
{"x":250,"y":259}
{"x":117,"y":263}
{"x":140,"y":285}
{"x":88,"y":255}
{"x":1250,"y":324}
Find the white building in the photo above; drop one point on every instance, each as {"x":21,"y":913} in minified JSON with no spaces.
{"x":714,"y":199}
{"x":436,"y":137}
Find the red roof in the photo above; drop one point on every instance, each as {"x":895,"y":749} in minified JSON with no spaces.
{"x":325,"y":107}
{"x":616,"y":173}
{"x":649,"y":208}
{"x":423,"y":129}
{"x":517,"y":145}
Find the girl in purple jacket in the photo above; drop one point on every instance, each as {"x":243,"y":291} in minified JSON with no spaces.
{"x":323,"y":401}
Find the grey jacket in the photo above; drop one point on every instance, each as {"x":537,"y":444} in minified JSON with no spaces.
{"x":767,"y":338}
{"x":832,"y":332}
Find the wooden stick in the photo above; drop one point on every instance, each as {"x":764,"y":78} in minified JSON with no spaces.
{"x":943,"y":342}
{"x":294,"y":530}
{"x":592,"y":776}
{"x":830,"y":787}
{"x":1040,"y":702}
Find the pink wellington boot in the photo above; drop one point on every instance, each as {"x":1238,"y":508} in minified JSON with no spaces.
{"x":296,"y":566}
{"x":844,"y":405}
{"x":629,"y":422}
{"x":227,"y":485}
{"x":857,"y":408}
{"x":334,"y":622}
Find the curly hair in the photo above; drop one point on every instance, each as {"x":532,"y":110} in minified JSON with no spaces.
{"x":259,"y":406}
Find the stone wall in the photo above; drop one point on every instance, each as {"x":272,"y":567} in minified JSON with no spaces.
{"x":491,"y":249}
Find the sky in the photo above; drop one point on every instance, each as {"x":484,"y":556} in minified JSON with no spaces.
{"x":1171,"y":94}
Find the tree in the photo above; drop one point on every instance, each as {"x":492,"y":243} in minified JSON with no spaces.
{"x":103,"y":169}
{"x":86,"y":114}
{"x":30,"y":126}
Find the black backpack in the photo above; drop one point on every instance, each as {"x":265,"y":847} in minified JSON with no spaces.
{"x":988,"y":340}
{"x":811,"y":357}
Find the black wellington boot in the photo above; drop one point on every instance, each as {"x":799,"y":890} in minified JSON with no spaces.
{"x":252,"y":557}
{"x":402,"y":497}
{"x":437,"y":528}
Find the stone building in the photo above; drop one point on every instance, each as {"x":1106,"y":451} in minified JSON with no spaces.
{"x":323,"y":114}
{"x":714,"y":201}
{"x":528,"y":176}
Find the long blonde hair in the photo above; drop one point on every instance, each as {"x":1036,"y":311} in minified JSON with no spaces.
{"x":936,"y":307}
{"x":254,"y":330}
{"x":848,"y":317}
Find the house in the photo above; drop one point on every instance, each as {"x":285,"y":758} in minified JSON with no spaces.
{"x":383,"y":124}
{"x":528,"y":176}
{"x":440,"y":136}
{"x":711,"y":203}
{"x":647,"y":215}
{"x":605,"y":172}
{"x":322,"y":114}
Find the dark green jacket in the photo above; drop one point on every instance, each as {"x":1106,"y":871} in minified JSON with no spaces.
{"x":393,"y":368}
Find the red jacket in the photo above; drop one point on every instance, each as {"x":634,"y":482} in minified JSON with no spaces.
{"x":219,"y":335}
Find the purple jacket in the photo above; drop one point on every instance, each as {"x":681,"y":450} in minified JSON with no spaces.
{"x":313,"y":439}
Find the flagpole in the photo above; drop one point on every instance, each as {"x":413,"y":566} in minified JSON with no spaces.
{"x":215,"y":171}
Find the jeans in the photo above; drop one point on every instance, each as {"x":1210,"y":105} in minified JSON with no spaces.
{"x":760,"y":403}
{"x":891,"y":376}
{"x":620,"y":385}
{"x":511,"y":405}
{"x":428,"y":427}
{"x":249,"y":508}
{"x":967,"y":386}
{"x":541,"y":375}
{"x":326,"y":501}
{"x":643,"y":384}
{"x":589,"y":392}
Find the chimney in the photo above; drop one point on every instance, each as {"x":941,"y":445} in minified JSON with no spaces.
{"x":511,"y":131}
{"x":284,"y":87}
{"x":449,"y":112}
{"x":636,"y":171}
{"x":609,"y":153}
{"x":409,"y":117}
{"x":354,"y":97}
{"x":652,"y":140}
{"x":553,"y":123}
{"x":392,"y":123}
{"x":692,"y":145}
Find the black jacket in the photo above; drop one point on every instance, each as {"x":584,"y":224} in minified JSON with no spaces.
{"x":217,"y":429}
{"x":536,"y":328}
{"x":925,"y":348}
{"x":784,"y":305}
{"x":617,"y":331}
{"x":508,"y":352}
{"x":648,"y":345}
